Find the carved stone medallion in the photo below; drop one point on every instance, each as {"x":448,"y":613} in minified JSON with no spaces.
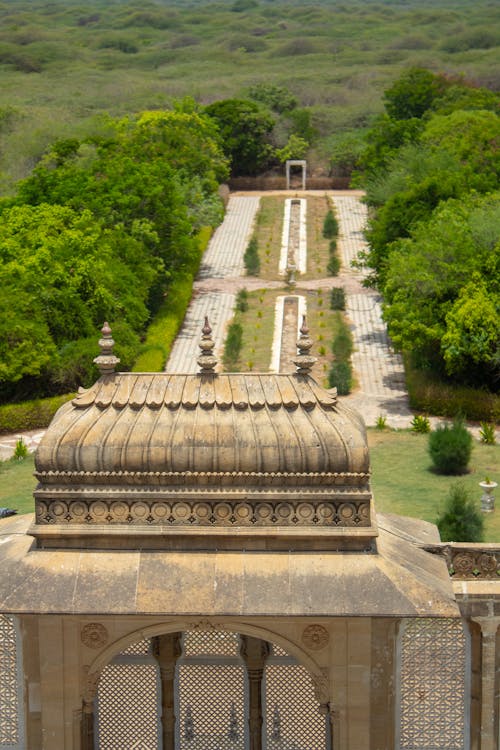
{"x":94,"y":635}
{"x":315,"y":637}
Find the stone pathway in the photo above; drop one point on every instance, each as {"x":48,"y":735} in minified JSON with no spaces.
{"x":378,"y":369}
{"x":223,"y":266}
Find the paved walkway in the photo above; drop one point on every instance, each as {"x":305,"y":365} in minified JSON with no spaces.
{"x":223,"y":267}
{"x":378,"y":369}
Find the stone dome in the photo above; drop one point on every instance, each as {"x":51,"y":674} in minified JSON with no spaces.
{"x":222,"y":423}
{"x":213,"y":458}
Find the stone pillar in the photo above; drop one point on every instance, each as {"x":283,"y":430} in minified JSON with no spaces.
{"x":254,"y":653}
{"x":169,"y":650}
{"x":88,"y":725}
{"x":489,"y":699}
{"x":382,"y":679}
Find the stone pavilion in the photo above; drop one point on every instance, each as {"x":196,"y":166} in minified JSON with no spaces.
{"x":206,"y":569}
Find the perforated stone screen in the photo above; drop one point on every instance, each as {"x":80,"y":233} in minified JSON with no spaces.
{"x":128,"y":706}
{"x":11,"y":734}
{"x":432,"y":685}
{"x":292,"y":718}
{"x":210,"y":642}
{"x":211,"y":707}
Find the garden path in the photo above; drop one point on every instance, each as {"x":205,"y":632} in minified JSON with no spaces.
{"x":378,"y":369}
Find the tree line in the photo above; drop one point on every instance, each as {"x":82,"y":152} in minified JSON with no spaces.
{"x":431,"y":166}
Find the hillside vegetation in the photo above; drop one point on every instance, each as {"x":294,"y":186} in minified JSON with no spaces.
{"x":64,"y":63}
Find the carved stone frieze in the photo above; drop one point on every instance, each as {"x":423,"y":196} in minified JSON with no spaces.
{"x":353,"y":513}
{"x":470,"y":562}
{"x":94,"y":635}
{"x":315,"y":637}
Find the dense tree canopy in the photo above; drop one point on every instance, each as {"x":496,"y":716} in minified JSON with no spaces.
{"x":432,"y":169}
{"x":97,"y":232}
{"x":246,"y":130}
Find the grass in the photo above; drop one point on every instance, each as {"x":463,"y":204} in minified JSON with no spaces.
{"x":17,"y":484}
{"x":268,"y":230}
{"x":258,"y":327}
{"x":317,"y":245}
{"x":403,"y":481}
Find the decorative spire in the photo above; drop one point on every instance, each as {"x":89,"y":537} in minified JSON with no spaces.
{"x":106,"y":360}
{"x":207,"y":360}
{"x":304,"y":360}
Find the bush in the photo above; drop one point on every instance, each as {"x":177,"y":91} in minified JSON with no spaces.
{"x":337,"y":298}
{"x":232,"y":346}
{"x":340,"y":376}
{"x":20,"y":451}
{"x":450,"y":448}
{"x":460,"y":519}
{"x":420,"y":424}
{"x":251,"y":258}
{"x":487,"y":433}
{"x":330,"y":225}
{"x":242,"y":300}
{"x":333,"y":266}
{"x":30,"y":415}
{"x":342,"y":344}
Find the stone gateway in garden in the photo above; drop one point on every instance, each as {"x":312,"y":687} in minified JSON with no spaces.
{"x":206,"y":569}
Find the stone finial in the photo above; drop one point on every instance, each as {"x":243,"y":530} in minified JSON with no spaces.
{"x":106,"y":361}
{"x":304,"y":360}
{"x":207,"y":360}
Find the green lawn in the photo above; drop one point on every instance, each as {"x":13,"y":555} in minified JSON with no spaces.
{"x":404,"y":483}
{"x":17,"y":484}
{"x":402,"y":479}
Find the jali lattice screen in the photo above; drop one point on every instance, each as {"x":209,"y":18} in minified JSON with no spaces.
{"x":211,"y":692}
{"x":432,"y":685}
{"x":292,"y":718}
{"x":128,"y":702}
{"x":11,"y":689}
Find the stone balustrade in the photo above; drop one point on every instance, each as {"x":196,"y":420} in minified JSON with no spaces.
{"x":469,"y":561}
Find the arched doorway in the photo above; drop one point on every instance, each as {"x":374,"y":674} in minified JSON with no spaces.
{"x":207,"y":689}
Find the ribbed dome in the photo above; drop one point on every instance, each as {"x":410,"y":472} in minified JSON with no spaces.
{"x":205,"y":423}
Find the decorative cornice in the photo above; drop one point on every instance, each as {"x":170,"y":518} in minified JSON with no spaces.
{"x":280,"y":513}
{"x":204,"y":478}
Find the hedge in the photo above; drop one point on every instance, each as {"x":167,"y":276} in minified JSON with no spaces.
{"x":165,"y":326}
{"x":30,"y":415}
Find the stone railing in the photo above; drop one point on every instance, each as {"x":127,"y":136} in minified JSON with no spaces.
{"x":469,"y":560}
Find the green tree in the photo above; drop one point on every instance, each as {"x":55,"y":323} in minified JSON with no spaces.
{"x":460,"y":519}
{"x":245,"y":130}
{"x":471,"y":341}
{"x":413,"y":94}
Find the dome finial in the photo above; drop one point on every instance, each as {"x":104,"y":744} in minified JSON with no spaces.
{"x":304,"y":360}
{"x":207,"y":360}
{"x":106,"y":360}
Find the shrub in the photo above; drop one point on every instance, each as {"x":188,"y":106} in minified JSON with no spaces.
{"x":460,"y":519}
{"x":450,"y":448}
{"x":333,"y":266}
{"x":340,"y":376}
{"x":232,"y":346}
{"x":342,"y":344}
{"x":333,"y":246}
{"x":420,"y":424}
{"x":251,"y":258}
{"x":487,"y":433}
{"x":337,"y":298}
{"x":21,"y":450}
{"x":330,"y":225}
{"x":381,"y":422}
{"x":242,"y":300}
